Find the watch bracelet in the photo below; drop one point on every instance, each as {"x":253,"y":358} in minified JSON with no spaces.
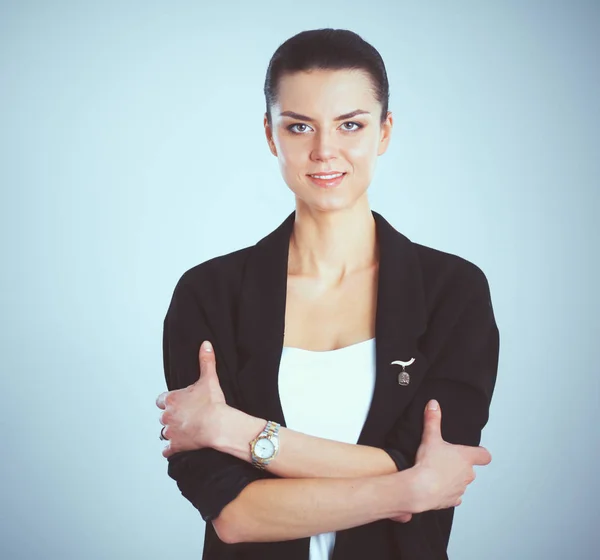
{"x":271,"y":428}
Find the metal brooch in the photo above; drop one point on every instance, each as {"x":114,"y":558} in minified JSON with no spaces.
{"x":403,"y":376}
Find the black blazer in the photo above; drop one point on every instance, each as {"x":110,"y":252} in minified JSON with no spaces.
{"x":431,"y":305}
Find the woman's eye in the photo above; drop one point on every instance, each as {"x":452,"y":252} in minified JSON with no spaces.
{"x":304,"y":127}
{"x":291,"y":127}
{"x":358,"y":125}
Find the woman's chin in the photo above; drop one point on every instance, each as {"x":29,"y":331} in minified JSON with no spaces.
{"x":328,"y":203}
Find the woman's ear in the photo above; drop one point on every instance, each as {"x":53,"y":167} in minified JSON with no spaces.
{"x":269,"y":135}
{"x":386,"y":134}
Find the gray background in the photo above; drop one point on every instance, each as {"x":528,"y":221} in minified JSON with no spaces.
{"x":132,"y":148}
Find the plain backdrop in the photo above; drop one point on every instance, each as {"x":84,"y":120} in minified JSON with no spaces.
{"x":132,"y":148}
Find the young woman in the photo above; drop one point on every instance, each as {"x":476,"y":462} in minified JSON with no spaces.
{"x":302,"y":431}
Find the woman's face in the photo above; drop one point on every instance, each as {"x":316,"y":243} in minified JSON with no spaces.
{"x":327,"y":121}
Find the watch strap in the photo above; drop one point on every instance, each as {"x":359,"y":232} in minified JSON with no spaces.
{"x":271,"y":432}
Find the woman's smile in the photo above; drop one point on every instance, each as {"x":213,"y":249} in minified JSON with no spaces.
{"x":327,"y":180}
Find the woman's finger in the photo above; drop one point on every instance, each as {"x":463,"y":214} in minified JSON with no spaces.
{"x":160,"y":400}
{"x":208,"y":362}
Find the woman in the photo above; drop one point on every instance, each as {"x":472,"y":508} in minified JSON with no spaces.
{"x":344,"y":324}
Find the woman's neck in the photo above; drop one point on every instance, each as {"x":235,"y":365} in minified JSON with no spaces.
{"x":332,"y":245}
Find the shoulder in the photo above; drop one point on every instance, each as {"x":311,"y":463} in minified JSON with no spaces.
{"x":457,"y":301}
{"x":441,"y":275}
{"x":447,"y":275}
{"x":220,"y":274}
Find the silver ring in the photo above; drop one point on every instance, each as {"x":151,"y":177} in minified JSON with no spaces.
{"x":162,"y":437}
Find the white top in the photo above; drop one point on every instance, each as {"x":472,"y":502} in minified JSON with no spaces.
{"x":327,"y":394}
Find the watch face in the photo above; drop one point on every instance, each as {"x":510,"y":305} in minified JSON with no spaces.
{"x":264,"y":448}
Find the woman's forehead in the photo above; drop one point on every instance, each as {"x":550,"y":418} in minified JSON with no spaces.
{"x":324,"y":78}
{"x":325,"y":90}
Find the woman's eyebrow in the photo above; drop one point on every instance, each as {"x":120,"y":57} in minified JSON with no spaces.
{"x":309,"y":119}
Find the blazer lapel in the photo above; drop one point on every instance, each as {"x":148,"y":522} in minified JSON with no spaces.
{"x":401,"y":319}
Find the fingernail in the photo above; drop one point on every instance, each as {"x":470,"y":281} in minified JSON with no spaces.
{"x":432,"y":404}
{"x":207,"y":346}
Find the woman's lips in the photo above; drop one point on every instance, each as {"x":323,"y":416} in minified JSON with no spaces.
{"x":327,"y":182}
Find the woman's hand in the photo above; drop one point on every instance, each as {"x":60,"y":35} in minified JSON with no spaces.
{"x":443,"y":470}
{"x":192,"y":415}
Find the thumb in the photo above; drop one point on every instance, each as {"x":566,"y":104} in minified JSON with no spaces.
{"x":206,"y":358}
{"x":433,"y":417}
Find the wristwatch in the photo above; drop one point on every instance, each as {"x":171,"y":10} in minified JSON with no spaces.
{"x":264,"y":447}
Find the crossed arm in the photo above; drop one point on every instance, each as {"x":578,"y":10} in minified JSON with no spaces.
{"x":302,"y":496}
{"x":321,"y":485}
{"x":334,"y":493}
{"x":315,"y":484}
{"x":304,"y":456}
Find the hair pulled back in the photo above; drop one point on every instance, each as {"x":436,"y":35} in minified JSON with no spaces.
{"x":327,"y":49}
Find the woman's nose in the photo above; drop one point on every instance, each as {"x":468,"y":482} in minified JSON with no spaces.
{"x":324,"y":147}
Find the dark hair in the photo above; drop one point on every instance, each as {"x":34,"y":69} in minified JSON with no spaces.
{"x":327,"y":49}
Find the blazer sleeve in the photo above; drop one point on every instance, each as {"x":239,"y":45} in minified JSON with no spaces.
{"x":207,"y":478}
{"x":464,"y":348}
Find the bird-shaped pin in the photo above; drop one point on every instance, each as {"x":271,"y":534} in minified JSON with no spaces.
{"x":403,"y":376}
